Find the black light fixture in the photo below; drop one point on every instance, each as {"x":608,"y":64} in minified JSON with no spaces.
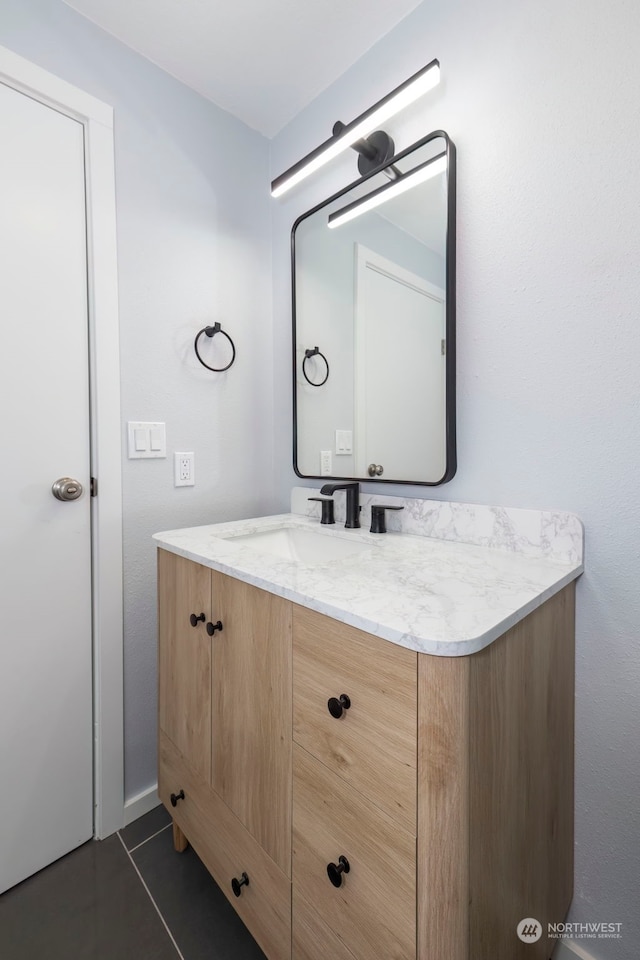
{"x":353,"y":134}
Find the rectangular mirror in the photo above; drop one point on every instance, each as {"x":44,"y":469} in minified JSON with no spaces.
{"x":374,"y":324}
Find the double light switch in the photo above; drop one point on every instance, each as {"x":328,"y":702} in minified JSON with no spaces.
{"x":146,"y":440}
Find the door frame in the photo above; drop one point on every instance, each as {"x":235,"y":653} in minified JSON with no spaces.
{"x":104,"y":363}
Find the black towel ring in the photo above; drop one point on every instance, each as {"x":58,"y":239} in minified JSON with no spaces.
{"x":210,"y":332}
{"x":315,"y":353}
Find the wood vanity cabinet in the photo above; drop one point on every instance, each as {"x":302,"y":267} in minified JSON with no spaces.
{"x":384,"y":804}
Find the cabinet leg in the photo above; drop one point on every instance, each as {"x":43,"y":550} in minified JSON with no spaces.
{"x":180,"y":842}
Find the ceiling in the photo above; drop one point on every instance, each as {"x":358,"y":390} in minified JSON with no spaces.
{"x":261,"y":61}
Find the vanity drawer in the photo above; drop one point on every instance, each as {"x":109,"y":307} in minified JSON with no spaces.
{"x":372,"y":746}
{"x":228,"y":850}
{"x":373,"y":912}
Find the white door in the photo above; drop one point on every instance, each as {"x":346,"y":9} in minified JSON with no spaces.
{"x":399,"y":372}
{"x":46,"y":793}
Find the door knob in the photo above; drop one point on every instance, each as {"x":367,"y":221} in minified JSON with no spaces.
{"x":67,"y":489}
{"x":375,"y":469}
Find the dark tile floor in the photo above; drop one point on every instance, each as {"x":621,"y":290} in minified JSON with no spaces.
{"x":130,"y":897}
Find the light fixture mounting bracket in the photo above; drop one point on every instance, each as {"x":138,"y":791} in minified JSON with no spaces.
{"x":373,"y":151}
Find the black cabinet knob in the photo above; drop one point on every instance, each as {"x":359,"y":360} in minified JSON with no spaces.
{"x":237,"y":885}
{"x":335,"y":871}
{"x":338,"y":706}
{"x":175,"y":797}
{"x":194,"y":621}
{"x":212,"y":627}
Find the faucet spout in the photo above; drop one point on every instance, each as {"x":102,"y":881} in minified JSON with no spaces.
{"x":352,"y":490}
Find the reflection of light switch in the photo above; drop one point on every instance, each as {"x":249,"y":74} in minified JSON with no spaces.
{"x":344,"y":442}
{"x":325,"y":463}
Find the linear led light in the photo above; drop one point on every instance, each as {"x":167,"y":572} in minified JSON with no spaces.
{"x":393,"y":189}
{"x":401,"y":97}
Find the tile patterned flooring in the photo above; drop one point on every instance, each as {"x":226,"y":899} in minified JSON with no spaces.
{"x":130,"y":897}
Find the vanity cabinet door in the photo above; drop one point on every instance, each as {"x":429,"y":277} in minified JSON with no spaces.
{"x":372,"y":743}
{"x":228,"y":850}
{"x":184,"y":651}
{"x":251,"y":716}
{"x":371,"y":908}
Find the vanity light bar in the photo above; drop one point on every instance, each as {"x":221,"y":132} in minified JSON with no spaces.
{"x":393,"y":189}
{"x":401,"y":97}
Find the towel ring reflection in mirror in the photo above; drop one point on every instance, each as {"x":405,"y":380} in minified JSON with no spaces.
{"x":307,"y":356}
{"x":211,"y":332}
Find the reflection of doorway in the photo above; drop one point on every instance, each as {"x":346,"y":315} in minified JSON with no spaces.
{"x":61,"y":589}
{"x":399,"y":371}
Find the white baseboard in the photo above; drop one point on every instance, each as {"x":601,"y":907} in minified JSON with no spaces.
{"x":570,"y":950}
{"x":140,"y":804}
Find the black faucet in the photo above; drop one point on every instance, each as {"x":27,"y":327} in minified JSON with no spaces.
{"x":352,"y":488}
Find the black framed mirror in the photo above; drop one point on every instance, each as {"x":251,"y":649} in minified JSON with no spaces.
{"x":373,"y":291}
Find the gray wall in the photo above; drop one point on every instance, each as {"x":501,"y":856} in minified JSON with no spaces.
{"x":193,"y":247}
{"x":541,"y":99}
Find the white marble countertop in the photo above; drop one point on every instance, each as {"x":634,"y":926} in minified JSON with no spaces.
{"x":437,"y":596}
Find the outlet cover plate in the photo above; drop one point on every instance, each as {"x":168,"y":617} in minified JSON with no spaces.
{"x":325,"y":463}
{"x":183,"y":470}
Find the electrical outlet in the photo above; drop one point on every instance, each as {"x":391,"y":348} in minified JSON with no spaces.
{"x":183,"y":469}
{"x":325,"y":463}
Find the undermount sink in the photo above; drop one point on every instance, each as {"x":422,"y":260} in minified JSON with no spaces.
{"x":305,"y":546}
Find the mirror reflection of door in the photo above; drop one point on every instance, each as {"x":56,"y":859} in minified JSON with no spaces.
{"x":399,"y":370}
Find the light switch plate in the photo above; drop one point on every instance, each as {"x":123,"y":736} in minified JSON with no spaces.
{"x":146,"y":440}
{"x":344,"y":442}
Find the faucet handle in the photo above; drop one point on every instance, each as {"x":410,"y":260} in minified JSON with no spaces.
{"x":327,"y":509}
{"x":378,"y":519}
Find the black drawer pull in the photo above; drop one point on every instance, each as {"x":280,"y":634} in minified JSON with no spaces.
{"x":237,"y":885}
{"x":194,"y":621}
{"x":338,"y":706}
{"x":175,"y":797}
{"x":212,"y":627}
{"x":335,"y":871}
